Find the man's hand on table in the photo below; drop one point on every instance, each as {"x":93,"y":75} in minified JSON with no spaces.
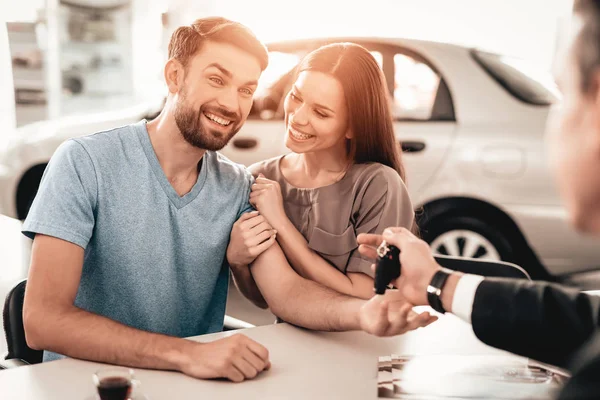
{"x":236,"y":358}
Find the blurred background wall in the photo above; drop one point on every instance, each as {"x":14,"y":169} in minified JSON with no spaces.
{"x":108,"y":53}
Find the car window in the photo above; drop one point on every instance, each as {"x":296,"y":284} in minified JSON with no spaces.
{"x":415,"y":88}
{"x":519,"y":78}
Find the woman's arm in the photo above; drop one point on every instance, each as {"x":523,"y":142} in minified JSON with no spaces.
{"x":311,"y":265}
{"x":266,"y":197}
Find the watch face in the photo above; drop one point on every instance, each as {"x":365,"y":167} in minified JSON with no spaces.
{"x":434,"y":290}
{"x":383,"y":249}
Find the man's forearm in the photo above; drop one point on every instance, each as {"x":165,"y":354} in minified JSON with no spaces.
{"x":317,"y":307}
{"x":80,"y":334}
{"x":300,"y":301}
{"x":244,"y":281}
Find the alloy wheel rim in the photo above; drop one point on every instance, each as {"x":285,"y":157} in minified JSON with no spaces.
{"x":465,"y":243}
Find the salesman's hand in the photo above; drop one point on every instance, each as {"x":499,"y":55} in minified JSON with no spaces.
{"x":236,"y":358}
{"x":418,"y":264}
{"x":382,"y":316}
{"x":250,"y":236}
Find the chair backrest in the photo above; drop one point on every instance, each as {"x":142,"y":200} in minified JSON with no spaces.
{"x":13,"y":327}
{"x":498,"y":269}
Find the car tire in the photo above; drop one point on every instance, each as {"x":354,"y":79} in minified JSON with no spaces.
{"x":467,"y":236}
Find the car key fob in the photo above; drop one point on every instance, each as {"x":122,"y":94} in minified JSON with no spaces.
{"x":388,"y":266}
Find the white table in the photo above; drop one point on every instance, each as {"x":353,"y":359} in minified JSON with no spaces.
{"x":305,"y":365}
{"x":15,"y":249}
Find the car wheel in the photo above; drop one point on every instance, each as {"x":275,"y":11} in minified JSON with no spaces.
{"x":463,"y":236}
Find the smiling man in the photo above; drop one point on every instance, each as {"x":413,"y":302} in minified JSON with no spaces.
{"x":135,"y":231}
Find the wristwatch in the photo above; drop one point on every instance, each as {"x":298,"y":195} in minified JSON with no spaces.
{"x":434,"y":290}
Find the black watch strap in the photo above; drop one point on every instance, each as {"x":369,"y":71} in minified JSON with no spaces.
{"x":434,"y":290}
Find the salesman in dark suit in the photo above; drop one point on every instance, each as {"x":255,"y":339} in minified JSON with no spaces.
{"x":547,"y":322}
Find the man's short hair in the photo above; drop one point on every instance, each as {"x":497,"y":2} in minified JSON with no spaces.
{"x":586,"y":48}
{"x":187,"y":40}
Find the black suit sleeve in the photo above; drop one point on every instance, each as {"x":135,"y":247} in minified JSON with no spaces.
{"x":538,"y":320}
{"x":585,"y":366}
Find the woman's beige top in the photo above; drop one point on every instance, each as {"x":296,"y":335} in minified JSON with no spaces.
{"x":368,"y":199}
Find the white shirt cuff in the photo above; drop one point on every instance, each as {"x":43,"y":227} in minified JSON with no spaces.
{"x":464,"y":296}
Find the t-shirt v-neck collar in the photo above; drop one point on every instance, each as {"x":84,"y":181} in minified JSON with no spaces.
{"x":177,"y":200}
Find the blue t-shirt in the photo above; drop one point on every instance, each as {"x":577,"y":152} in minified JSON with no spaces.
{"x":153,"y":260}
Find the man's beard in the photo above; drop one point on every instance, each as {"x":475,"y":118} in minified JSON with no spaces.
{"x":196,"y":133}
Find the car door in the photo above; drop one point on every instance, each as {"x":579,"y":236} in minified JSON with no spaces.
{"x":423,"y":111}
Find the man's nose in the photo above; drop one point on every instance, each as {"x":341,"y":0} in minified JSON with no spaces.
{"x":228,"y":99}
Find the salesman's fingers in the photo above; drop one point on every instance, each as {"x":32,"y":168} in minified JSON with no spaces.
{"x":395,"y":229}
{"x":369,"y":239}
{"x":399,"y":237}
{"x":367,"y":251}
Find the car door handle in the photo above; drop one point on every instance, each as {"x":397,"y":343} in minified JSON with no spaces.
{"x":245,"y":143}
{"x":412,"y":146}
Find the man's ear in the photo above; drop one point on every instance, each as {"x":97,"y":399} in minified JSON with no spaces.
{"x":174,"y":75}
